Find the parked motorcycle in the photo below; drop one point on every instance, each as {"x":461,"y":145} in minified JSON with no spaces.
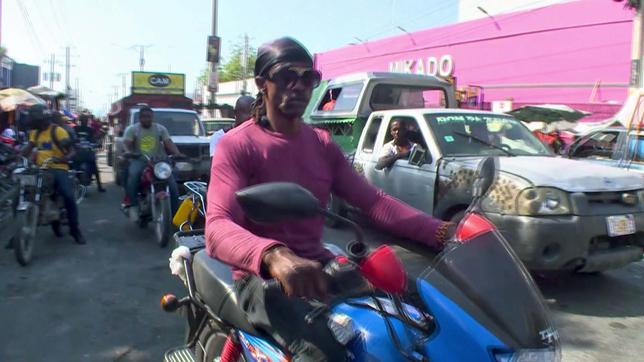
{"x":38,"y":204}
{"x":154,"y":197}
{"x":191,"y":213}
{"x":475,"y":302}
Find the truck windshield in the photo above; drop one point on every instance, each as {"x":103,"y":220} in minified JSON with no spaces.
{"x":398,"y":96}
{"x":483,"y":134}
{"x":177,"y":123}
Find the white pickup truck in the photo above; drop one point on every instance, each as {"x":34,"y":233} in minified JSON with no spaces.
{"x":556,"y":213}
{"x":186,"y":131}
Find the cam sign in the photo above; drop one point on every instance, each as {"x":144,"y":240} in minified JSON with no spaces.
{"x":439,"y":67}
{"x":158,"y":83}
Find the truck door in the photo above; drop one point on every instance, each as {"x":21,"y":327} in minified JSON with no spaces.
{"x":412,"y":183}
{"x":367,"y":153}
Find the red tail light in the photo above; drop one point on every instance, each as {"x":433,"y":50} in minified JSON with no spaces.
{"x":472,"y":226}
{"x":383,"y":269}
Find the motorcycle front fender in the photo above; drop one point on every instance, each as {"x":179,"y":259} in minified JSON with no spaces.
{"x":160,"y":194}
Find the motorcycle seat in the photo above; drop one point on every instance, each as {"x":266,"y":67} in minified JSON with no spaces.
{"x":214,"y":284}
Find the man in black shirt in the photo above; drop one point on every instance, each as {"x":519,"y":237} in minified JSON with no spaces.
{"x":86,"y":140}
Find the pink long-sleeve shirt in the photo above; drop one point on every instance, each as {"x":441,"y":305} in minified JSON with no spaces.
{"x":251,"y":154}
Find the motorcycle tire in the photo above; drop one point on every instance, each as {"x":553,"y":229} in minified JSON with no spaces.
{"x":162,"y":221}
{"x":23,"y":241}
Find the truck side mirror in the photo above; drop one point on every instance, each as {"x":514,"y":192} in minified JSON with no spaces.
{"x":418,"y":157}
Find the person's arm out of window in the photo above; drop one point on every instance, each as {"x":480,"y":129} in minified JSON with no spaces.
{"x":385,"y":211}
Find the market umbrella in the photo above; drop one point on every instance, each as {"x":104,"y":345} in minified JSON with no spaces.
{"x":11,"y":98}
{"x":45,"y":92}
{"x":548,"y":113}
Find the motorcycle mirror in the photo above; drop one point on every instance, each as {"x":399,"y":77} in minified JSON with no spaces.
{"x":277,"y":201}
{"x":486,"y":176}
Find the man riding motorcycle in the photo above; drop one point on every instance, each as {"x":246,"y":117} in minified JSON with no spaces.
{"x":152,"y":140}
{"x":277,"y":146}
{"x":85,"y":133}
{"x":53,"y":142}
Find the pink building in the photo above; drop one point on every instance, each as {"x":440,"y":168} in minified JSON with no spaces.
{"x":575,"y":53}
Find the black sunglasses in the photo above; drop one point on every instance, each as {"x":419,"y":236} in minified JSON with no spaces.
{"x":289,"y":76}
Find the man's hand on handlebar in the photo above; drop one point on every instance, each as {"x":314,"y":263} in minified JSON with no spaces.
{"x":299,"y":277}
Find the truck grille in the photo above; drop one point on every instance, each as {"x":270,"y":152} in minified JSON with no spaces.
{"x":192,"y":151}
{"x":609,"y":197}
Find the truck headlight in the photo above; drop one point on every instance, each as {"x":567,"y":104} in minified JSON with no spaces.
{"x":184,"y":167}
{"x":543,"y":201}
{"x":512,"y":195}
{"x":162,"y":170}
{"x":502,"y":195}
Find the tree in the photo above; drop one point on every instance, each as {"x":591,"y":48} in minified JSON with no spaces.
{"x":232,"y":69}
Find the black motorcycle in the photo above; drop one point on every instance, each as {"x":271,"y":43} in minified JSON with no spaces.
{"x":85,"y":161}
{"x":38,"y":204}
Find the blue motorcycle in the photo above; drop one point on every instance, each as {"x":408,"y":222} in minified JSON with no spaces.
{"x":474,"y":302}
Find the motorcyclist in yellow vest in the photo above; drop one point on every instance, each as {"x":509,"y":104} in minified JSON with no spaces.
{"x":53,"y":143}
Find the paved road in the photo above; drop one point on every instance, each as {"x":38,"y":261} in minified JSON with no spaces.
{"x":100,"y":302}
{"x":95,"y":302}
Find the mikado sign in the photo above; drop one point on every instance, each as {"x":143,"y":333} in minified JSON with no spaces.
{"x":439,"y":67}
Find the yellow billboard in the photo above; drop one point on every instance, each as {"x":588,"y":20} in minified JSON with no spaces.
{"x":158,"y":83}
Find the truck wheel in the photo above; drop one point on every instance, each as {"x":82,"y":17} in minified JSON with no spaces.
{"x":116,"y":173}
{"x":335,"y":206}
{"x":110,"y":157}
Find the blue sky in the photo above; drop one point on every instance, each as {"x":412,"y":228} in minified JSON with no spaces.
{"x":102,"y":33}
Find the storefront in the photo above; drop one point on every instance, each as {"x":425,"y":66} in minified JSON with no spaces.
{"x":575,"y":53}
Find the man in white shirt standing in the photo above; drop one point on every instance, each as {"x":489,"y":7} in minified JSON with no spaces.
{"x":242,"y":113}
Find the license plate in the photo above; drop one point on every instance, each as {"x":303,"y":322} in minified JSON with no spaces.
{"x":28,"y":180}
{"x":620,"y":225}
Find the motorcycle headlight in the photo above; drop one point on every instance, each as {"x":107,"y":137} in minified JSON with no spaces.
{"x":543,"y":201}
{"x":162,"y":170}
{"x":530,"y":355}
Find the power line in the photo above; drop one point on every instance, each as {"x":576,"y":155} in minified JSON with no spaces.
{"x":32,"y":30}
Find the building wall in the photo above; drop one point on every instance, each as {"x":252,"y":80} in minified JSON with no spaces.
{"x":24,"y":75}
{"x":555,"y":54}
{"x":468,"y":9}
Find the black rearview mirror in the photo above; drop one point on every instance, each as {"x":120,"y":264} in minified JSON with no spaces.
{"x":418,"y":157}
{"x":277,"y":201}
{"x":487,"y":171}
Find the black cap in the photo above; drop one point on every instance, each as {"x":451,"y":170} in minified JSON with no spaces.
{"x":39,"y":111}
{"x":282,"y":50}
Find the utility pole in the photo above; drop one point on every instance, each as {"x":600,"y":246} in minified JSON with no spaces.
{"x":123,"y":83}
{"x":67,"y":66}
{"x":141,"y":57}
{"x":52,"y":64}
{"x":212,"y":81}
{"x":244,"y":65}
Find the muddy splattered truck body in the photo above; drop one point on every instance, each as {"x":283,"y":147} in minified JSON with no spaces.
{"x":557,"y":213}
